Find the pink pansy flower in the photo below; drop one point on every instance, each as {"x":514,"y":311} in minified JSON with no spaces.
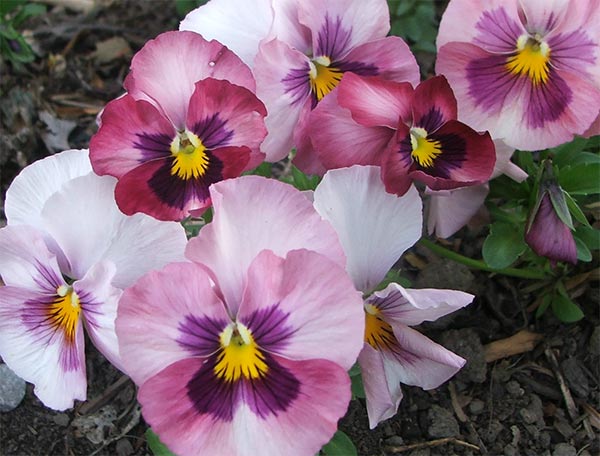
{"x":65,"y":257}
{"x":221,"y":360}
{"x":450,"y":210}
{"x":180,"y":127}
{"x":375,"y":228}
{"x":411,"y":134}
{"x":306,"y":48}
{"x":528,"y":71}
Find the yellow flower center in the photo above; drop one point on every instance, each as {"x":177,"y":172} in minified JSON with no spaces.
{"x":378,"y":333}
{"x":191,"y":160}
{"x":424,"y":151}
{"x":239,"y":356}
{"x":64,"y":312}
{"x":323,"y":77}
{"x":531,"y":59}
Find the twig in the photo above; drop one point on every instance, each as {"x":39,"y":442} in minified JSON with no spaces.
{"x":521,"y":342}
{"x":110,"y":392}
{"x":564,"y":389}
{"x":458,"y":411}
{"x":431,"y":443}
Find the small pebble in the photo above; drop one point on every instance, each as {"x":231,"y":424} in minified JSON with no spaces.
{"x":61,"y":419}
{"x":510,"y":450}
{"x":476,"y":406}
{"x":442,"y":423}
{"x":514,"y":389}
{"x":564,"y":449}
{"x":395,"y":440}
{"x":12,"y":389}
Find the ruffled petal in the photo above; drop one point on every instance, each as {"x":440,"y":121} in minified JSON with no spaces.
{"x":339,"y":26}
{"x":449,"y":210}
{"x":166,"y":316}
{"x":374,"y":101}
{"x":287,"y":297}
{"x":286,"y":221}
{"x":374,"y":227}
{"x":240,"y":25}
{"x":304,"y":426}
{"x":340,"y":141}
{"x":504,"y":165}
{"x":165,"y":70}
{"x":433,"y":104}
{"x":132,"y":132}
{"x":414,"y":306}
{"x":39,"y":352}
{"x":87,"y":225}
{"x":29,"y":191}
{"x":381,"y":402}
{"x":282,"y":78}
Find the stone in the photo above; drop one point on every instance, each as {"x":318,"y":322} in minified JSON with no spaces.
{"x":514,"y":388}
{"x":445,"y":274}
{"x":61,"y":419}
{"x":476,"y":406}
{"x":564,"y":449}
{"x":594,"y":343}
{"x":576,"y":378}
{"x":510,"y":450}
{"x":441,"y":423}
{"x":12,"y":389}
{"x":466,"y":343}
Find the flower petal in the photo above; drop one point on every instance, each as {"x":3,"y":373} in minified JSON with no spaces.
{"x":302,"y":285}
{"x":412,"y":307}
{"x":29,"y":191}
{"x":286,"y":221}
{"x":165,"y":70}
{"x":158,"y":318}
{"x":433,"y":104}
{"x":302,"y":428}
{"x":374,"y":227}
{"x":504,"y":165}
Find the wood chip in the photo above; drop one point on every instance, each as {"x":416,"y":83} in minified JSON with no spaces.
{"x":521,"y":342}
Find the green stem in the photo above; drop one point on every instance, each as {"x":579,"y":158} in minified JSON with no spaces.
{"x":478,"y":264}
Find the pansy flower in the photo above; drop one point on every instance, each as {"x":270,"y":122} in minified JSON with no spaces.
{"x":65,"y":257}
{"x":306,"y":48}
{"x":528,"y":71}
{"x":411,"y":134}
{"x":375,"y":228}
{"x":180,"y":127}
{"x":223,"y":358}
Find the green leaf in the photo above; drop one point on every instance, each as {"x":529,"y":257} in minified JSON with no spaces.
{"x":358,"y":389}
{"x":565,"y":309}
{"x":6,"y":6}
{"x":264,"y":169}
{"x":583,"y":179}
{"x":393,"y":276}
{"x":575,"y":210}
{"x":302,"y":181}
{"x":590,"y":236}
{"x":546,"y":300}
{"x":340,"y":445}
{"x":503,"y":245}
{"x":156,"y":446}
{"x":185,"y":6}
{"x":566,"y":153}
{"x":559,"y":203}
{"x":31,"y":9}
{"x":584,"y":158}
{"x":583,"y":253}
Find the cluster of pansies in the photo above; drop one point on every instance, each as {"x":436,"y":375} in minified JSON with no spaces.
{"x":249,"y":328}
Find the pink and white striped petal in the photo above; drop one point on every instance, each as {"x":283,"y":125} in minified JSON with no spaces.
{"x":303,"y":285}
{"x":252,"y":214}
{"x":165,"y":70}
{"x":375,"y":227}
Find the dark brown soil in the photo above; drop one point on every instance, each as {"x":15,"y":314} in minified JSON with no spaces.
{"x":540,"y":402}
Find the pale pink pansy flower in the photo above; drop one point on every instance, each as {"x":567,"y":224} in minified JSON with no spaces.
{"x":65,"y":257}
{"x":528,"y":71}
{"x":254,"y":337}
{"x":303,"y":56}
{"x":375,"y":228}
{"x":190,"y":118}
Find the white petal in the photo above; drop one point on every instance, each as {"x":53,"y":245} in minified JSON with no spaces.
{"x":374,"y":227}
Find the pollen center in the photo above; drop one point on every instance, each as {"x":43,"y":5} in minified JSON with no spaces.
{"x":190,"y":157}
{"x":424,"y":151}
{"x":63,"y":312}
{"x":323,"y":77}
{"x":239,"y":355}
{"x":378,"y":333}
{"x":531,"y":59}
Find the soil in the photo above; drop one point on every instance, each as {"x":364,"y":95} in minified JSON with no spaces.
{"x":543,"y":400}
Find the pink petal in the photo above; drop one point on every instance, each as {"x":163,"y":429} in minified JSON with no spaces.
{"x":374,"y":101}
{"x":132,"y":132}
{"x":286,"y":221}
{"x":450,"y":210}
{"x":381,"y":402}
{"x":396,"y":166}
{"x":375,"y":228}
{"x":165,"y":70}
{"x":302,"y":285}
{"x":433,"y":104}
{"x":340,"y":141}
{"x":304,"y":427}
{"x":504,"y":165}
{"x":29,"y":191}
{"x":152,"y":314}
